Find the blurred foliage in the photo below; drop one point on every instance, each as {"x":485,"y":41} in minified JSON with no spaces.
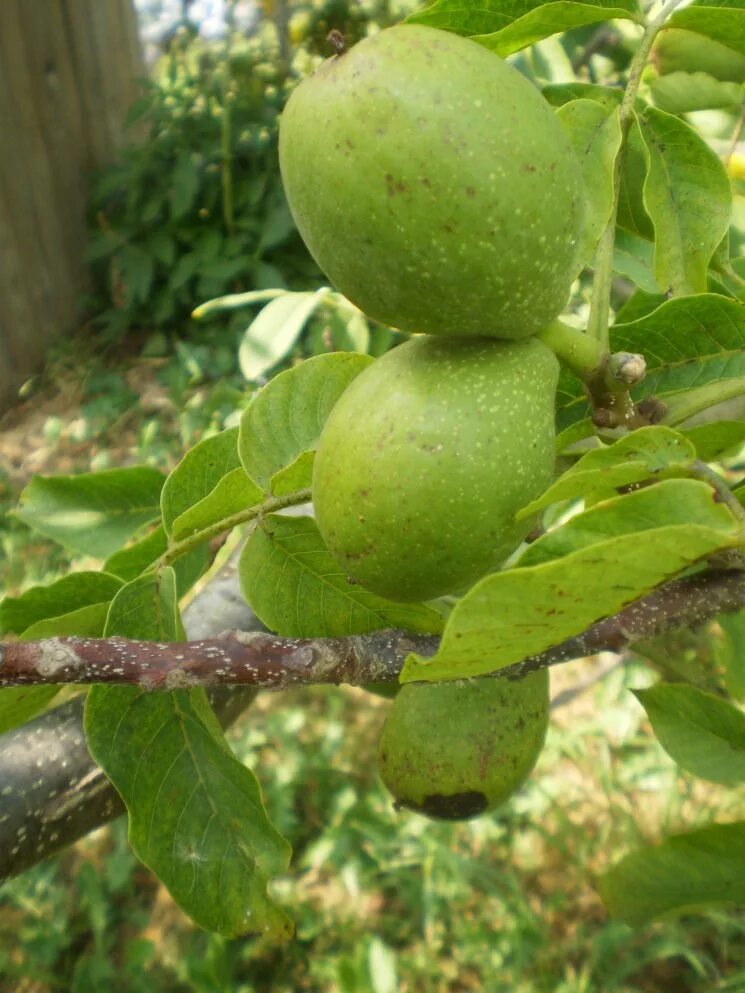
{"x":195,"y":207}
{"x":388,"y":901}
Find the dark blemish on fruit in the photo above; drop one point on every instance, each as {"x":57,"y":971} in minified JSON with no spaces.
{"x":394,"y":185}
{"x":528,"y":167}
{"x":470,"y":192}
{"x":456,"y":807}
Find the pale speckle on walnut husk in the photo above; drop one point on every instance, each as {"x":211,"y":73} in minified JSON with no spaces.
{"x":434,"y":185}
{"x":427,"y":457}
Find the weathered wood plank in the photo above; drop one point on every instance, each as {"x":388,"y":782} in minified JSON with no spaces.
{"x":69,"y":70}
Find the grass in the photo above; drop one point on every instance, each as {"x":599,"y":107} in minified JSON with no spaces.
{"x":383,"y":901}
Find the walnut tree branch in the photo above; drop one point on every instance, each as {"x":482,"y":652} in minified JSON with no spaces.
{"x":258,"y":659}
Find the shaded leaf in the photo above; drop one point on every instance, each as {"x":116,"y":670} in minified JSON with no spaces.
{"x":85,"y":622}
{"x":285,"y":417}
{"x":298,"y":590}
{"x":721,"y":20}
{"x":93,"y":513}
{"x":595,"y":135}
{"x":729,"y":651}
{"x":559,"y":94}
{"x":716,"y":439}
{"x":684,"y":92}
{"x":196,"y":817}
{"x":72,"y":592}
{"x":233,"y":493}
{"x":701,"y":732}
{"x":687,"y":195}
{"x":198,"y":473}
{"x":132,"y":561}
{"x":632,"y":210}
{"x":687,"y":872}
{"x":633,"y":257}
{"x":19,"y":704}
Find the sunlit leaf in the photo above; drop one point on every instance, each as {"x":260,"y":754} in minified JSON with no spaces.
{"x":286,"y":416}
{"x":93,"y":513}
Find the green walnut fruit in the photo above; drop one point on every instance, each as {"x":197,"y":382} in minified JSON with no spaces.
{"x":433,"y":185}
{"x":677,"y":50}
{"x":428,"y":455}
{"x":455,"y":750}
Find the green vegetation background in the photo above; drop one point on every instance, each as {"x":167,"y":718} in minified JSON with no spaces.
{"x":384,"y":901}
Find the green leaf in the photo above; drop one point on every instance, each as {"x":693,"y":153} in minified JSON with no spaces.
{"x":298,"y":590}
{"x":638,"y":305}
{"x":285,"y":417}
{"x":196,"y":817}
{"x":233,"y":493}
{"x":675,"y":501}
{"x":18,"y":704}
{"x":687,"y":195}
{"x":729,"y":652}
{"x":633,"y":257}
{"x":643,"y":453}
{"x":688,"y":342}
{"x":297,"y":476}
{"x":146,"y":609}
{"x":684,"y":92}
{"x":632,"y":211}
{"x":701,"y":732}
{"x":558,"y":94}
{"x":93,"y":513}
{"x":716,"y":439}
{"x":595,"y":135}
{"x":85,"y":622}
{"x":184,"y":184}
{"x":198,"y":473}
{"x":72,"y":592}
{"x":687,"y":872}
{"x":506,"y":26}
{"x":721,"y":20}
{"x":520,"y":612}
{"x":271,"y":335}
{"x":132,"y":561}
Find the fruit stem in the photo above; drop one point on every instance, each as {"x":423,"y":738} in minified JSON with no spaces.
{"x":606,"y":378}
{"x":599,"y":319}
{"x":575,"y":349}
{"x":179,"y":548}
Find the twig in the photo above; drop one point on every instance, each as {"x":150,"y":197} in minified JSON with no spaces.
{"x":239,"y":658}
